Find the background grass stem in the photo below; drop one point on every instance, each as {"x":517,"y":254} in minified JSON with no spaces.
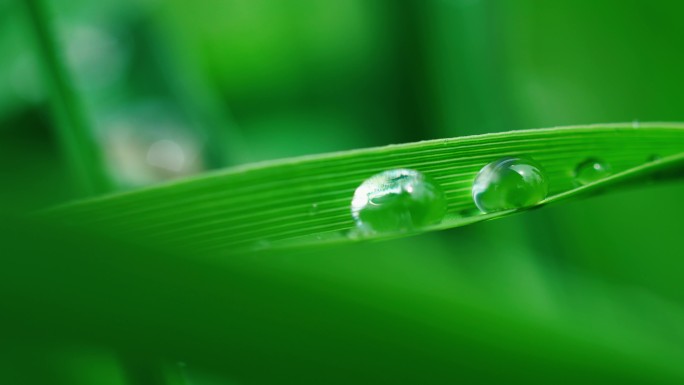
{"x":73,"y":130}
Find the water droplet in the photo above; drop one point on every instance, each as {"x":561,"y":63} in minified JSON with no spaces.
{"x":397,"y":200}
{"x":313,"y":210}
{"x":654,"y":158}
{"x":591,"y":170}
{"x":509,"y":183}
{"x":261,"y":244}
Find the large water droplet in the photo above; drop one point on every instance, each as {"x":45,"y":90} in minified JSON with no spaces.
{"x":591,"y":170}
{"x":397,"y":200}
{"x":509,"y":183}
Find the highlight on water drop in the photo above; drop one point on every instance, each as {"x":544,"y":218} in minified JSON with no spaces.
{"x":397,"y":200}
{"x":591,"y":170}
{"x":509,"y":183}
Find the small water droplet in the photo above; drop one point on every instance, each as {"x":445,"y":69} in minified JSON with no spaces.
{"x":591,"y":170}
{"x":313,"y":210}
{"x":509,"y":183}
{"x":654,"y":158}
{"x":262,"y":244}
{"x":397,"y":200}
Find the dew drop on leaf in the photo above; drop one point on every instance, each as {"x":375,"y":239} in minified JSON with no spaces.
{"x":509,"y":183}
{"x":397,"y":200}
{"x":313,"y":209}
{"x":591,"y":170}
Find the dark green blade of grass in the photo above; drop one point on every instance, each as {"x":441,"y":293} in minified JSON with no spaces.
{"x":304,"y":318}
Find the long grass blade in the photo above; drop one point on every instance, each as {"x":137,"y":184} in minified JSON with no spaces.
{"x":307,"y":199}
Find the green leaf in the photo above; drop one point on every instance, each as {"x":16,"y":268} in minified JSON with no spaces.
{"x":75,"y":135}
{"x":361,"y":313}
{"x":307,"y":199}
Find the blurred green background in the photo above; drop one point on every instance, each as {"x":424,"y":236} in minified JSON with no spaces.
{"x":175,"y":88}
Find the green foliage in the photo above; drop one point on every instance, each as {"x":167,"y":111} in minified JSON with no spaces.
{"x":248,"y":275}
{"x":359,"y":313}
{"x":75,"y":134}
{"x":308,"y":199}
